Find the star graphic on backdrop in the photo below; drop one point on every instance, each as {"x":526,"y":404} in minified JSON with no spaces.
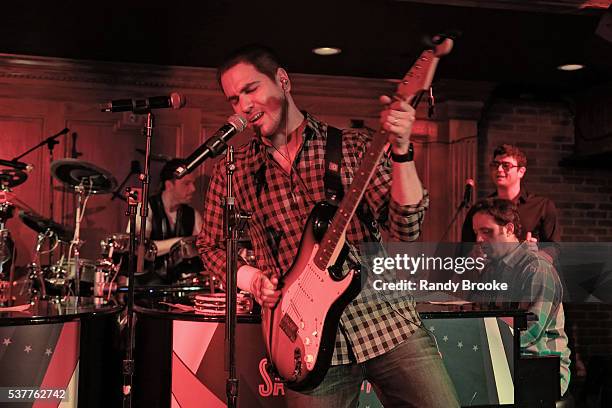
{"x":475,"y":348}
{"x":6,"y":342}
{"x":48,"y":352}
{"x":445,"y":338}
{"x":431,"y":328}
{"x":27,"y":349}
{"x":460,"y":344}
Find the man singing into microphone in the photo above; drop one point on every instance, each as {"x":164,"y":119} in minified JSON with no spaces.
{"x":279,"y":177}
{"x":170,"y":218}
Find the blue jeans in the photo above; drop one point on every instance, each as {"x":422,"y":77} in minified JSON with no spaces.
{"x":410,"y":375}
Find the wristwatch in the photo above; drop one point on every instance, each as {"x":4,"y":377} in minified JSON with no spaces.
{"x":403,"y":158}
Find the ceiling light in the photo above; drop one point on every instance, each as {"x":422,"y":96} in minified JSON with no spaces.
{"x":570,"y":67}
{"x":326,"y":50}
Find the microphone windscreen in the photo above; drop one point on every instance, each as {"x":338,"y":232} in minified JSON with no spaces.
{"x":238,"y":122}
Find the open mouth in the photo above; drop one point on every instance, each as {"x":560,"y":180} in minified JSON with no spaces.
{"x":256,"y":117}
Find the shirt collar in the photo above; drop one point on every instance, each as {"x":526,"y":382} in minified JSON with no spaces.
{"x":257,"y":156}
{"x":512,"y":258}
{"x":522,"y":197}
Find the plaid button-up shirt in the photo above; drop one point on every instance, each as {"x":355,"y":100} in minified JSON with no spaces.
{"x":534,"y":285}
{"x":280,"y":204}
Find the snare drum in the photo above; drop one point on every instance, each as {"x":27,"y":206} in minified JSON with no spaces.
{"x":120,"y":245}
{"x":184,"y":256}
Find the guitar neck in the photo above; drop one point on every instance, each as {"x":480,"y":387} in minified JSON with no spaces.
{"x":411,"y":89}
{"x":351,"y":200}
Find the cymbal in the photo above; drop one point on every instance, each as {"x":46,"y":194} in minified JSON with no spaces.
{"x":12,"y":177}
{"x":41,"y":224}
{"x":74,"y":173}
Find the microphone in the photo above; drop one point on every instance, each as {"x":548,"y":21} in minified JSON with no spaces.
{"x":467,"y":193}
{"x":214,"y":146}
{"x":174,"y":101}
{"x":17,"y":165}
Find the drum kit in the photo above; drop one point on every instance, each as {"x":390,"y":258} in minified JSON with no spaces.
{"x":59,"y":279}
{"x":72,"y":272}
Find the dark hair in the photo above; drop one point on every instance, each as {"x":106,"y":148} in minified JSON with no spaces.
{"x":503,"y":212}
{"x":167,"y":172}
{"x":511,"y":151}
{"x":261,"y":57}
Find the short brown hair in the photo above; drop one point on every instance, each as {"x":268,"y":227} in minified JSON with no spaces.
{"x":511,"y":151}
{"x":167,"y":172}
{"x":262,"y":58}
{"x":503,"y":212}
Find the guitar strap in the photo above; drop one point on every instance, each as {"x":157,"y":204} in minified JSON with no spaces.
{"x":332,"y":181}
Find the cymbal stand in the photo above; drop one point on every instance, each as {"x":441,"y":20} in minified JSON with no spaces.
{"x":233,"y":222}
{"x":75,"y":244}
{"x":50,"y":142}
{"x":6,"y":212}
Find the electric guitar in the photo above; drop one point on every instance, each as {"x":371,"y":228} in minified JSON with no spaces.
{"x":300,"y":331}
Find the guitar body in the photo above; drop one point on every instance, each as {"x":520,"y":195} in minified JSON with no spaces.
{"x":300,"y":332}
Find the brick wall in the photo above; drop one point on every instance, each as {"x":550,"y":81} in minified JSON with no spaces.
{"x":545,"y":131}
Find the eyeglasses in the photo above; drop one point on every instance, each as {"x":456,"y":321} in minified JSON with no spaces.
{"x":507,"y":166}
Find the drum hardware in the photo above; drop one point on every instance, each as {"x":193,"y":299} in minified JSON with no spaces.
{"x":85,"y":179}
{"x":135,"y":169}
{"x":50,"y":278}
{"x":119,"y":244}
{"x":7,"y":246}
{"x":50,"y":142}
{"x":36,"y":275}
{"x":104,"y":278}
{"x":184,"y":257}
{"x":133,"y":201}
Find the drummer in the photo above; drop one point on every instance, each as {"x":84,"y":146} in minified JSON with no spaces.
{"x":169,"y":219}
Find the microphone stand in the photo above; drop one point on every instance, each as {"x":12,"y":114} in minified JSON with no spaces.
{"x":463,"y":205}
{"x":134,"y":169}
{"x":128,"y":362}
{"x":233,"y":223}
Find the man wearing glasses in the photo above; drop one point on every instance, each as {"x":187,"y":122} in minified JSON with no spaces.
{"x":538,"y":214}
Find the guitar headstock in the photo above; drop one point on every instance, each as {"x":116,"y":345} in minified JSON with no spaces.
{"x":421,"y":74}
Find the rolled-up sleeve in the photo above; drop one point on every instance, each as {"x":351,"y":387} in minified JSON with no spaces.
{"x":405,"y":221}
